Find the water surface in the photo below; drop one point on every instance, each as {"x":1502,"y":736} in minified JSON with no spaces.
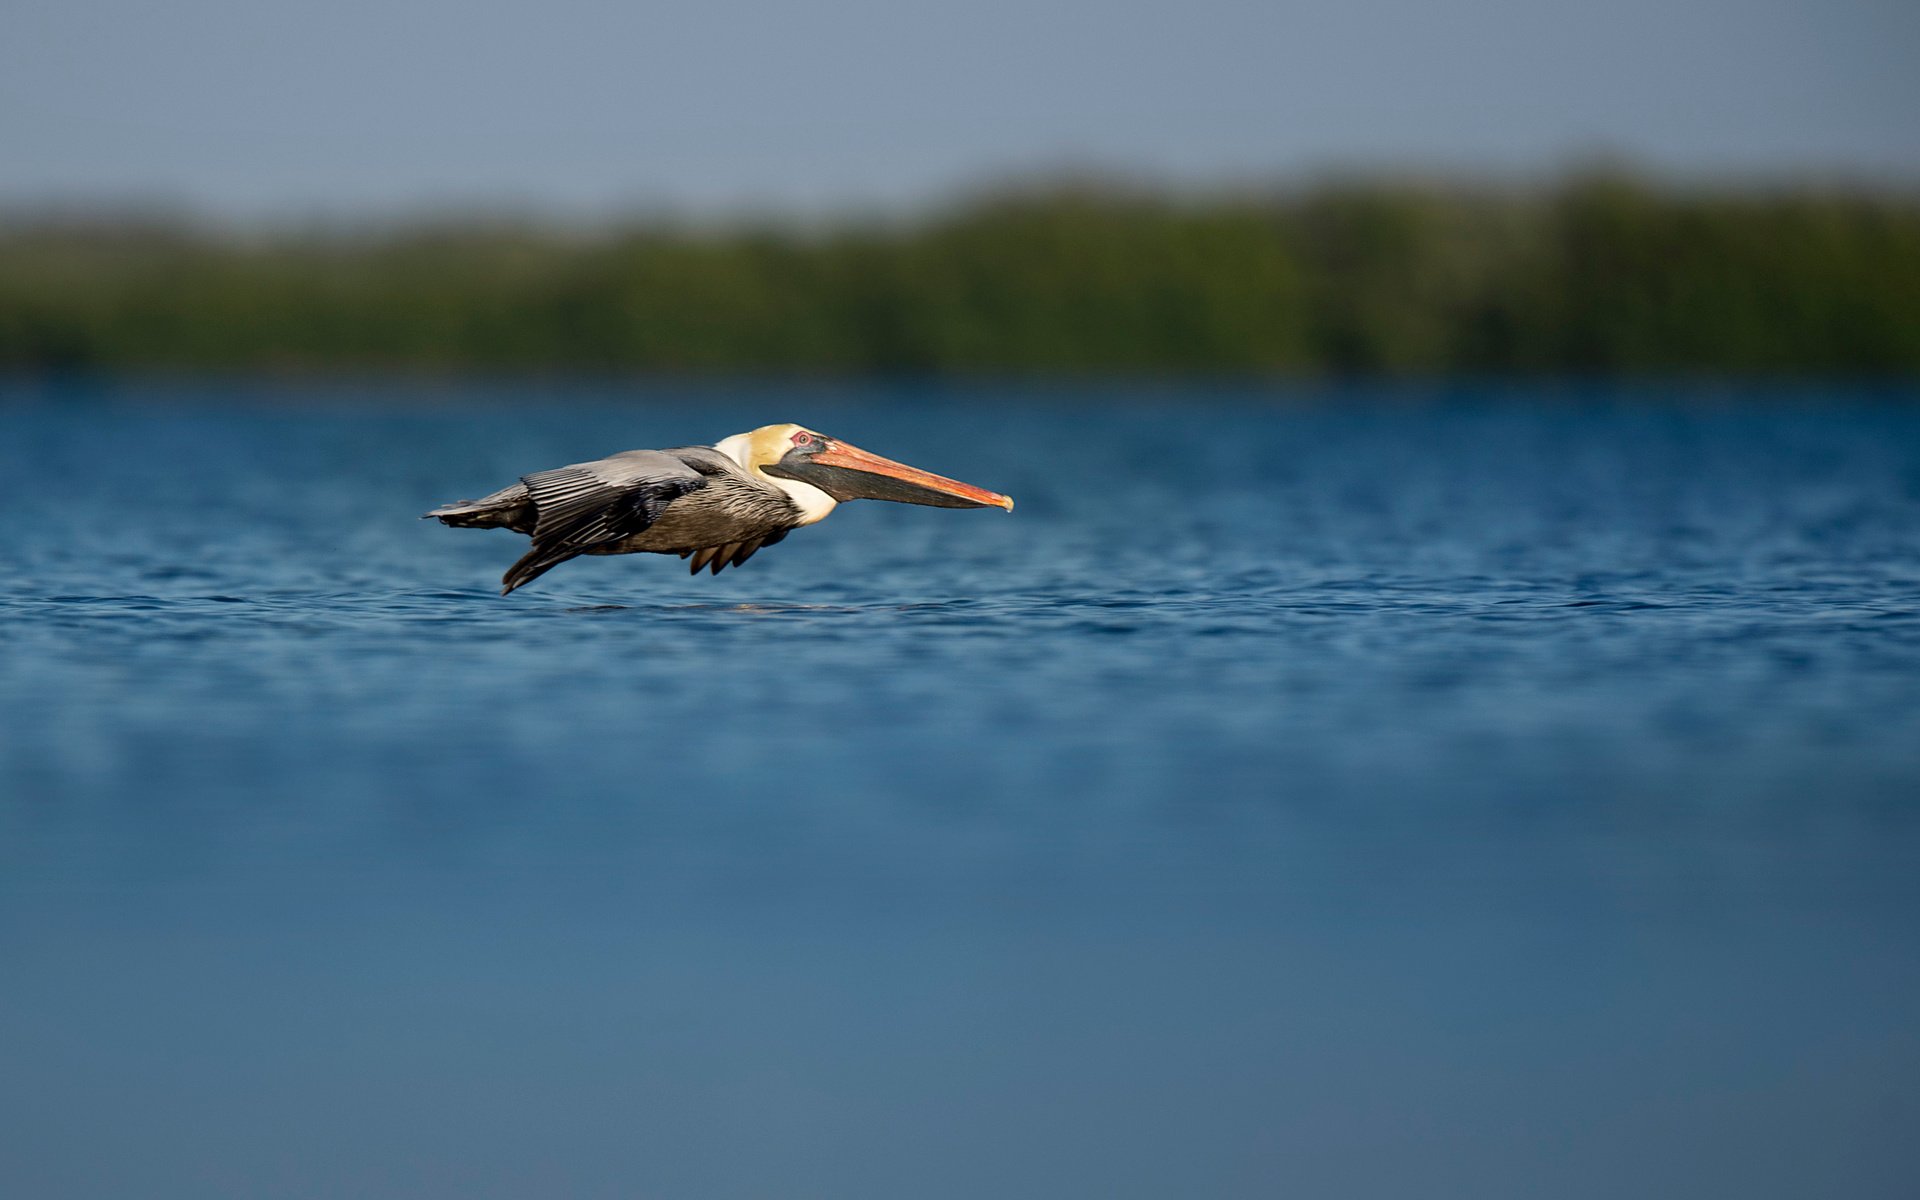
{"x":1462,"y":791}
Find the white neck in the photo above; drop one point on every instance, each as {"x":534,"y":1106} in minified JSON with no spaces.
{"x":814,"y":504}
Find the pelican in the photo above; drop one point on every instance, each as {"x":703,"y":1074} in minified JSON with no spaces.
{"x":714,"y":504}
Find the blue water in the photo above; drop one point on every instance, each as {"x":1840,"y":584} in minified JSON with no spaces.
{"x":1334,"y":792}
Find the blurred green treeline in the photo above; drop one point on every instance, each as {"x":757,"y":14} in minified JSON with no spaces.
{"x":1601,"y":274}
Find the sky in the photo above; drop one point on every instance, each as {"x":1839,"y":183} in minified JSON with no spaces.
{"x":249,"y":108}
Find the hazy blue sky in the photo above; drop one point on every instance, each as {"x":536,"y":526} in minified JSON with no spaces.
{"x":253,"y":107}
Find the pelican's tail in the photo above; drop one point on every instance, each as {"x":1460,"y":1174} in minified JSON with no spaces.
{"x":508,"y":508}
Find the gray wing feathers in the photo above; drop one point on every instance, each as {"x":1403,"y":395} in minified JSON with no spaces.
{"x":589,"y":504}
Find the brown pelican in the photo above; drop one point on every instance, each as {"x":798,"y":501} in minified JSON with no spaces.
{"x":715,"y":504}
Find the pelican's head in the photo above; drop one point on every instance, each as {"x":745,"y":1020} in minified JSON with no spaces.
{"x":793,"y":458}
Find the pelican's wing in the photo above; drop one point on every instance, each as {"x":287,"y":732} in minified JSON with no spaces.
{"x":732,"y":554}
{"x":590,"y":504}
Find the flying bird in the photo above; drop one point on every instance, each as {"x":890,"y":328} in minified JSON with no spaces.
{"x":714,"y":504}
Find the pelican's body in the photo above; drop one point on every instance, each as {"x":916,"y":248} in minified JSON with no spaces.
{"x":714,"y":504}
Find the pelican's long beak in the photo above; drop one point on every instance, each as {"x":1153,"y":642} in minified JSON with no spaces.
{"x":850,"y":473}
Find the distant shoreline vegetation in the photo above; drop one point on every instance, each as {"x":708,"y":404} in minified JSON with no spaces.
{"x":1598,"y":275}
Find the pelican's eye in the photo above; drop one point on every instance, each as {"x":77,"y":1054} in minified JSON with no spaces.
{"x":806,"y":441}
